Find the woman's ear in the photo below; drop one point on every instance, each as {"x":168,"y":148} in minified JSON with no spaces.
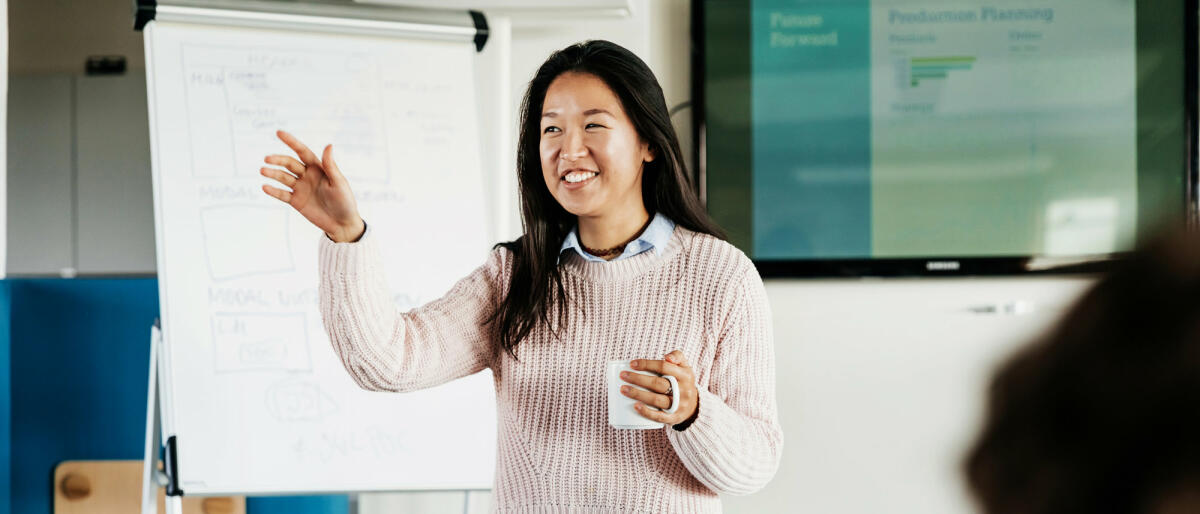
{"x":648,"y":153}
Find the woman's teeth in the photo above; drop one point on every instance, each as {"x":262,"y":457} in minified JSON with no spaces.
{"x":579,"y":176}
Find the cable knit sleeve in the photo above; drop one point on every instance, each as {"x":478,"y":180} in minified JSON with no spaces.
{"x":734,"y":444}
{"x":385,"y":349}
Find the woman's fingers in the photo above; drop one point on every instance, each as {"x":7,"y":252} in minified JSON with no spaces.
{"x":675,"y":365}
{"x":288,"y":162}
{"x":661,"y":367}
{"x":283,"y":177}
{"x":676,"y":357}
{"x":647,"y":397}
{"x":656,"y":384}
{"x":281,"y":195}
{"x":306,"y":155}
{"x":654,"y":415}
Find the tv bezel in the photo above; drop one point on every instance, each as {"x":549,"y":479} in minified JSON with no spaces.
{"x":951,"y":265}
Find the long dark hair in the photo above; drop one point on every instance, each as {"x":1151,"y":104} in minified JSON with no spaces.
{"x":1101,"y":414}
{"x":536,"y":282}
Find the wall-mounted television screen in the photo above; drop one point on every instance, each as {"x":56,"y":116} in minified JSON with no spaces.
{"x":886,"y":137}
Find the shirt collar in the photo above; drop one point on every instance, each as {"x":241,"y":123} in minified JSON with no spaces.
{"x":655,"y":237}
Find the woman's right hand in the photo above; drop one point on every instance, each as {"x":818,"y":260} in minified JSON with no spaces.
{"x":319,"y":191}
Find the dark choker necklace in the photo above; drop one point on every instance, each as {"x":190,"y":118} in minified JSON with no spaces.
{"x":616,"y":250}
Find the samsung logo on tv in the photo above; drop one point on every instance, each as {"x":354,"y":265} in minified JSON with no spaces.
{"x":941,"y":265}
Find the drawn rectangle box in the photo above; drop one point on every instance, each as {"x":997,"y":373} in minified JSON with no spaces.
{"x":246,"y":240}
{"x":208,"y":121}
{"x":261,"y":342}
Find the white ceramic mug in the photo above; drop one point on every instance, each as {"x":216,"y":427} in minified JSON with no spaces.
{"x":621,"y":413}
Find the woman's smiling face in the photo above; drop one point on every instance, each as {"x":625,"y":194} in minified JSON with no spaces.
{"x":591,"y":154}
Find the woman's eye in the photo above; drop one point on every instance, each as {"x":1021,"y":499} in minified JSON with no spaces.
{"x":590,"y":125}
{"x":549,"y":130}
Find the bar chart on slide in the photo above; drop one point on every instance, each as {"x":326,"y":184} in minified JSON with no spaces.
{"x":963,"y":98}
{"x":912,"y":71}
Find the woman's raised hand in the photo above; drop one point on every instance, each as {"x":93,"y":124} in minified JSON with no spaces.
{"x":319,"y":191}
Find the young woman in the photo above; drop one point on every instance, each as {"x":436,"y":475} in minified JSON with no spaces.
{"x":618,"y":261}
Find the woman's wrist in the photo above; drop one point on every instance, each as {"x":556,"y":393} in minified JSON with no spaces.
{"x":351,"y":234}
{"x":683,"y":425}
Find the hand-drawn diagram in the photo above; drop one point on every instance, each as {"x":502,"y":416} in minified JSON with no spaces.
{"x":356,"y":444}
{"x":238,"y":97}
{"x":292,"y":400}
{"x":260,"y":341}
{"x":246,"y":240}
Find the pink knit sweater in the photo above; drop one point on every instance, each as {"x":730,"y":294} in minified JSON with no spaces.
{"x":556,"y":451}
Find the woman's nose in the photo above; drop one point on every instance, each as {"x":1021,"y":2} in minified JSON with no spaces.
{"x":573,"y":148}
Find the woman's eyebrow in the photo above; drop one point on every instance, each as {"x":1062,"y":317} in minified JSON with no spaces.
{"x":589,"y":112}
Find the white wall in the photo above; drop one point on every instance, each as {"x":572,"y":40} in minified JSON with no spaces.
{"x":880,"y":386}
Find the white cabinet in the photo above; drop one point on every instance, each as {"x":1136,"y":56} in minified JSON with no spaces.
{"x":114,"y":201}
{"x":41,"y":211}
{"x":79,"y":186}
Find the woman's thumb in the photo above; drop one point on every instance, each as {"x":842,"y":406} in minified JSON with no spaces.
{"x":331,"y":167}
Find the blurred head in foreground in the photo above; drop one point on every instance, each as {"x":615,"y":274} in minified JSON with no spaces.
{"x":1103,"y":413}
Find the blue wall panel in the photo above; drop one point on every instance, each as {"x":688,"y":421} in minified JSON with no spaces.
{"x":5,"y":400}
{"x":79,"y":352}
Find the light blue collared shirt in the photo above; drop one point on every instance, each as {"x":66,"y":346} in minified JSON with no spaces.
{"x":655,"y":237}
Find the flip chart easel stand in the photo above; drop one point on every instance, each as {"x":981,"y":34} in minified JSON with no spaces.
{"x":158,"y":454}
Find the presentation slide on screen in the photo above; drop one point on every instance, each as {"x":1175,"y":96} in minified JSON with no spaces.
{"x":911,"y":129}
